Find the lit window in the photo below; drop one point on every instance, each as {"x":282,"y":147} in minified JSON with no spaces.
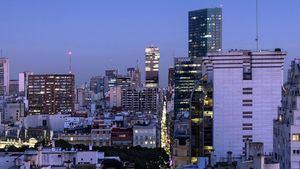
{"x":296,"y":137}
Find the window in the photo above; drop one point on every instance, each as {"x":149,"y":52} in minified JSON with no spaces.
{"x":247,"y":115}
{"x":296,"y":137}
{"x":247,"y":137}
{"x":247,"y":67}
{"x":247,"y":102}
{"x":247,"y":126}
{"x":247,"y":90}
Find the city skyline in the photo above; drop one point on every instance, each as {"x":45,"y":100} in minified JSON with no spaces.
{"x":44,"y":32}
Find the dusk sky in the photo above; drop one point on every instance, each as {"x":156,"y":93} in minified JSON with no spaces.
{"x":103,"y":34}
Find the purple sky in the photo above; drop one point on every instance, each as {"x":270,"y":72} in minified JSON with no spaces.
{"x":36,"y":35}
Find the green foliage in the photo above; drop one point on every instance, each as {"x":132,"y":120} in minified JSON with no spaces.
{"x":63,"y":144}
{"x":144,"y":158}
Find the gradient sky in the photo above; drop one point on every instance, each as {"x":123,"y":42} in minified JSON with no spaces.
{"x":36,"y":35}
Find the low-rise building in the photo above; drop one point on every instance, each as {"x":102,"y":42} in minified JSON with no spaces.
{"x":145,"y":136}
{"x":101,"y":133}
{"x":57,"y":158}
{"x":121,"y":136}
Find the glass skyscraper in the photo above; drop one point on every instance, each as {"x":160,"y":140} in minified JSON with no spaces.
{"x":205,"y":31}
{"x":193,"y":93}
{"x":187,"y":72}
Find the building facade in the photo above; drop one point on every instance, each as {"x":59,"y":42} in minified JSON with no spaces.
{"x":51,"y":94}
{"x":97,"y":84}
{"x":187,"y":74}
{"x":145,"y":136}
{"x":205,"y":31}
{"x":141,"y":100}
{"x":247,"y":92}
{"x":171,"y":72}
{"x":152,"y":66}
{"x":135,"y":75}
{"x":23,"y":82}
{"x":110,"y":79}
{"x":287,"y":124}
{"x":4,"y":77}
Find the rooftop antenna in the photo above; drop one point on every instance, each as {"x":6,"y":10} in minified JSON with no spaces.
{"x":1,"y":52}
{"x":70,"y":61}
{"x":257,"y":35}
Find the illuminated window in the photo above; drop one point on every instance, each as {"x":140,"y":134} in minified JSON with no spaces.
{"x":296,"y":137}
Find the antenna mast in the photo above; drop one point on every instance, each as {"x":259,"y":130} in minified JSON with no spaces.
{"x":70,"y":61}
{"x":257,"y":35}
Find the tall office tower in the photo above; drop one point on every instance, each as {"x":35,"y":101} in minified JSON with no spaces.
{"x":135,"y":76}
{"x":247,"y":92}
{"x":97,"y":84}
{"x":186,"y":75}
{"x":110,"y":79}
{"x":4,"y":77}
{"x":51,"y":93}
{"x":287,"y":125}
{"x":205,"y":31}
{"x":171,"y":72}
{"x":23,"y":82}
{"x":152,"y":67}
{"x":193,"y":94}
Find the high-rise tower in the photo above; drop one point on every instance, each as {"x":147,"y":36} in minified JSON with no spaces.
{"x":152,"y":66}
{"x":205,"y":31}
{"x":246,"y":95}
{"x":4,"y":76}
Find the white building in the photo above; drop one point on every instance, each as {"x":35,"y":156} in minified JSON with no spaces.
{"x":54,"y":122}
{"x":58,"y":158}
{"x":23,"y":82}
{"x":145,"y":136}
{"x":115,"y":96}
{"x":246,"y":93}
{"x":4,"y":74}
{"x":287,"y":125}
